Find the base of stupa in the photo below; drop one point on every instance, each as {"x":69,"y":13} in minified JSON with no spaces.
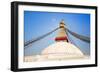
{"x":39,"y":58}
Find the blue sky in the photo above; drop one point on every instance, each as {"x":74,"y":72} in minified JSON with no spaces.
{"x":39,"y":23}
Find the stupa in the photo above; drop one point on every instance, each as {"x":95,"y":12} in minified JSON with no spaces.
{"x":62,"y":49}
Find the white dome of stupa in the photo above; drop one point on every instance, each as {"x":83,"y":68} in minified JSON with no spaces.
{"x":62,"y":50}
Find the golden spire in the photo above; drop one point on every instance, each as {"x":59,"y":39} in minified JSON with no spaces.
{"x":62,"y":24}
{"x":62,"y":36}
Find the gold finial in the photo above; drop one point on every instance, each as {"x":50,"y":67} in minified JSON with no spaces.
{"x":62,"y":21}
{"x":62,"y":24}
